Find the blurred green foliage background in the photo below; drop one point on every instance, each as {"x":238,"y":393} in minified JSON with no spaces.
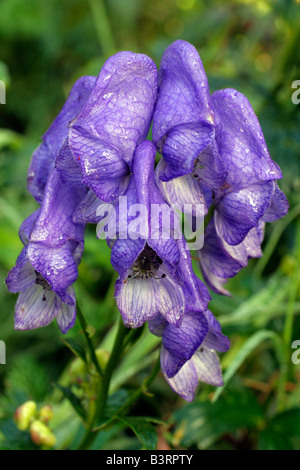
{"x":250,"y":45}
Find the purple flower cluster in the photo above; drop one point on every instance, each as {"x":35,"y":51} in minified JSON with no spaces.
{"x":95,"y":153}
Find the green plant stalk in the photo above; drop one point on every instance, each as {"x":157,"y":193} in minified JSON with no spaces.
{"x":91,"y":435}
{"x":90,"y":345}
{"x":102,"y":25}
{"x":288,"y":327}
{"x":135,"y":396}
{"x":287,"y":340}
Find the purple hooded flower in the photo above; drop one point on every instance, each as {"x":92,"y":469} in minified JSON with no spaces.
{"x":188,"y":352}
{"x":47,"y":266}
{"x":219,"y":261}
{"x":115,"y":119}
{"x":43,"y":159}
{"x":155,"y":269}
{"x":229,"y":156}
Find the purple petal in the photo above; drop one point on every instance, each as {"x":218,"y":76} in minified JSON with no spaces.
{"x":215,"y":339}
{"x":66,"y":314}
{"x":27,"y":227}
{"x":215,"y":263}
{"x":249,"y":247}
{"x":278,"y":208}
{"x":182,"y":342}
{"x":241,"y":142}
{"x":54,"y":225}
{"x":210,"y":169}
{"x":181,"y":192}
{"x":43,"y":159}
{"x":239,"y":211}
{"x":196,"y":293}
{"x":156,"y":325}
{"x":103,"y":169}
{"x":185,"y":382}
{"x":183,"y":96}
{"x":141,"y":299}
{"x":86,"y":211}
{"x":57,"y":266}
{"x":124,"y":253}
{"x":68,"y":168}
{"x":22,"y":275}
{"x":207,"y":365}
{"x":182,"y":147}
{"x":32,"y":311}
{"x":119,"y":110}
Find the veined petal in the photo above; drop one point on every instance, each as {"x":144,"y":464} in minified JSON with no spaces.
{"x":278,"y":208}
{"x":119,"y":110}
{"x":182,"y":342}
{"x":210,"y":169}
{"x":215,"y":339}
{"x":27,"y":227}
{"x":86,"y":211}
{"x":102,"y":167}
{"x":141,"y":299}
{"x":239,"y":211}
{"x":66,"y":314}
{"x":22,"y":275}
{"x":183,"y":146}
{"x":215,"y":263}
{"x":241,"y":142}
{"x":185,"y":382}
{"x":183,"y":95}
{"x":69,"y":169}
{"x":32,"y":311}
{"x":43,"y":159}
{"x":182,"y":191}
{"x":124,"y":253}
{"x":54,"y":225}
{"x":249,"y":247}
{"x":195,"y":291}
{"x":208,"y":366}
{"x":57,"y":266}
{"x":156,"y":325}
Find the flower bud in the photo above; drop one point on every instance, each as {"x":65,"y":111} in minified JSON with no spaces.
{"x":46,"y":413}
{"x":41,"y":435}
{"x":102,"y":357}
{"x":24,"y":414}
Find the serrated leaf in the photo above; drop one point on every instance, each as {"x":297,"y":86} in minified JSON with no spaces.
{"x":75,"y":347}
{"x":143,"y":430}
{"x":74,"y":400}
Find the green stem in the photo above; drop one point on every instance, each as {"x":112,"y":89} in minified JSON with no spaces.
{"x":91,"y":348}
{"x":287,"y":340}
{"x":104,"y":388}
{"x":102,"y":25}
{"x":288,"y":326}
{"x":135,"y":396}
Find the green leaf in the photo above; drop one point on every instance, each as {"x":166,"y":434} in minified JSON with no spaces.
{"x":247,"y":348}
{"x":270,"y":440}
{"x":74,"y":400}
{"x":75,"y":347}
{"x":115,"y":404}
{"x":143,"y":430}
{"x":287,"y":423}
{"x":202,"y":424}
